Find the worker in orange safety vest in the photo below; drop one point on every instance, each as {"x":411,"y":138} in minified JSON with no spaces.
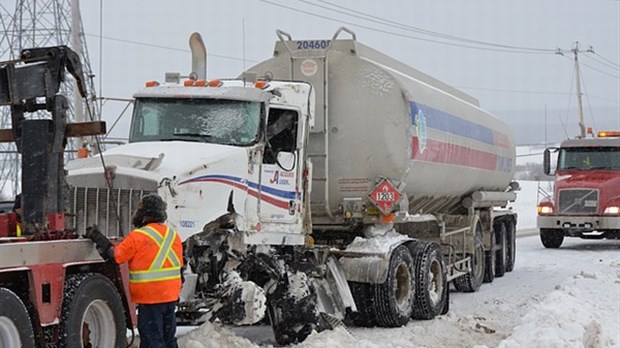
{"x":155,"y":257}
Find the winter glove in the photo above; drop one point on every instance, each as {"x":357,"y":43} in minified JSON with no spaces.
{"x":102,"y":243}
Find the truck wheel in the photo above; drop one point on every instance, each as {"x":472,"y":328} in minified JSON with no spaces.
{"x":431,"y":292}
{"x":92,"y":313}
{"x":292,"y":311}
{"x":489,"y":262}
{"x":365,"y":315}
{"x":501,"y":255}
{"x":15,"y":326}
{"x":393,"y":300}
{"x":551,"y":238}
{"x":472,"y":281}
{"x":511,"y":243}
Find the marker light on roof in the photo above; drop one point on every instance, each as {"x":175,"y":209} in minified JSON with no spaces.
{"x":215,"y":83}
{"x":260,"y":84}
{"x":151,"y":83}
{"x":200,"y":83}
{"x":606,"y":134}
{"x":189,"y":83}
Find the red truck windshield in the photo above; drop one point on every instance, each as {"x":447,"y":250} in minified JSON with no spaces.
{"x":589,"y":158}
{"x":193,"y":119}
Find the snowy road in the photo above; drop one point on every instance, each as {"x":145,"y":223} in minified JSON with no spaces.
{"x":567,"y":297}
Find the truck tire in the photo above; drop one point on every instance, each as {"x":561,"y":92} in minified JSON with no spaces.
{"x":15,"y":326}
{"x":511,"y":242}
{"x":365,"y":315}
{"x":431,"y":291}
{"x":551,"y":238}
{"x":92,"y":312}
{"x":293,"y":316}
{"x":472,"y":281}
{"x":501,"y":254}
{"x":489,"y":261}
{"x":393,"y":299}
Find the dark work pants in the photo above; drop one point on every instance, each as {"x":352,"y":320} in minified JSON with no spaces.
{"x":157,"y":325}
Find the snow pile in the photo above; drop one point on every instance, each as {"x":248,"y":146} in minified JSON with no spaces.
{"x":213,"y":336}
{"x":580,"y":312}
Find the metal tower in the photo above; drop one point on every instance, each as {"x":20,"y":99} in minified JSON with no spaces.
{"x":41,"y":23}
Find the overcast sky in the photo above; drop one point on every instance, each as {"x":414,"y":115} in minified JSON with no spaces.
{"x":514,"y":72}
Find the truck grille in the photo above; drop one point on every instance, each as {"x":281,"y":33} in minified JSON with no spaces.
{"x":582,"y":201}
{"x":109,"y":209}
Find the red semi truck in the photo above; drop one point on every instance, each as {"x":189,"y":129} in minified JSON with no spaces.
{"x":54,"y":287}
{"x":586,"y":194}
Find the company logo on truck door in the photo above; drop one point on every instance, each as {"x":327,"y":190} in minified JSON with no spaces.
{"x":468,"y":153}
{"x":281,"y":178}
{"x":273,"y":196}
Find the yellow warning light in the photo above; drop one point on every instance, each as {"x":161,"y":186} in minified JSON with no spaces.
{"x":608,"y":134}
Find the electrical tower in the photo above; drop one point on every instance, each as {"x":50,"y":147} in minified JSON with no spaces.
{"x":42,"y":23}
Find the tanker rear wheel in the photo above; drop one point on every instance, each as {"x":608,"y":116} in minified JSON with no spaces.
{"x":501,"y":256}
{"x":551,"y":238}
{"x":472,"y":281}
{"x":365,"y":315}
{"x":15,"y":326}
{"x":431,"y":292}
{"x":511,"y":238}
{"x":394,"y":298}
{"x":490,"y":262}
{"x":92,"y":313}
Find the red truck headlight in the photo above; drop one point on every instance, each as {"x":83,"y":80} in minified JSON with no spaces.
{"x":612,"y":210}
{"x":545,"y":208}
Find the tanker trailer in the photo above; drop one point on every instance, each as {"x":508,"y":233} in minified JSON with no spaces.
{"x":325,"y":183}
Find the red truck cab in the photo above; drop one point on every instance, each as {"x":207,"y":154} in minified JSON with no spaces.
{"x":586,"y":194}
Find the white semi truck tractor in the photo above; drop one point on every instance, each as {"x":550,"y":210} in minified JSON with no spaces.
{"x":327,"y":183}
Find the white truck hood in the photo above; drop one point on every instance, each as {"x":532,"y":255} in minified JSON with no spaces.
{"x":153,"y":161}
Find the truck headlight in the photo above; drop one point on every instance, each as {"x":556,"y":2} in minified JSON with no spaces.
{"x":614,"y":210}
{"x":545,"y":208}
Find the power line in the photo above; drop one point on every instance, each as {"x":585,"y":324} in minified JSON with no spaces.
{"x":521,"y":91}
{"x":399,"y":25}
{"x":146,"y":44}
{"x":397,"y":34}
{"x":607,"y":60}
{"x":616,"y":68}
{"x":561,"y":53}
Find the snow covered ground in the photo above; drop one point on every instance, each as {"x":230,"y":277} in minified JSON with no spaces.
{"x":567,"y":297}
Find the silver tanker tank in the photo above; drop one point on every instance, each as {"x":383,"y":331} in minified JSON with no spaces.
{"x":377,"y":117}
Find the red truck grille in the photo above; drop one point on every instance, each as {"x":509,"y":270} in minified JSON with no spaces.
{"x":578,"y":201}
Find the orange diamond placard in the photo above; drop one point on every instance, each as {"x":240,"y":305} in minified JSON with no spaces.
{"x":384,"y":196}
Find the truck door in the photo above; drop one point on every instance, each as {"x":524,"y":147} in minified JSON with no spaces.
{"x":279,"y":195}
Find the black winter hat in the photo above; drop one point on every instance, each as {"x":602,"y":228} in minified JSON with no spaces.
{"x":151,"y":208}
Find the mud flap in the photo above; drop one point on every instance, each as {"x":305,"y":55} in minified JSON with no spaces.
{"x":333,"y":293}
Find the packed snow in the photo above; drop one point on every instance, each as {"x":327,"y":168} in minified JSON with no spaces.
{"x":567,"y":297}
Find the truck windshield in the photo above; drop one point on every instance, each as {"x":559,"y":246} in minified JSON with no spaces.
{"x":201,"y":120}
{"x":589,"y":158}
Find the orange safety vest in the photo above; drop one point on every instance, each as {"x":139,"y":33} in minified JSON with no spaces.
{"x":155,"y":256}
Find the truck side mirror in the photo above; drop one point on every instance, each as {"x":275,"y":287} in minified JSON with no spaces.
{"x":547,"y":162}
{"x":286,"y":160}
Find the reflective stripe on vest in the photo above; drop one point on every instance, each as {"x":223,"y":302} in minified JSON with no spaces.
{"x":157,"y":271}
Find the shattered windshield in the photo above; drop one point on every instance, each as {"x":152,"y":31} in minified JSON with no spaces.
{"x":202,"y":120}
{"x":589,"y":158}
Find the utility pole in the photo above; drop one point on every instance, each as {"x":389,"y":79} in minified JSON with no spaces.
{"x":576,"y":52}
